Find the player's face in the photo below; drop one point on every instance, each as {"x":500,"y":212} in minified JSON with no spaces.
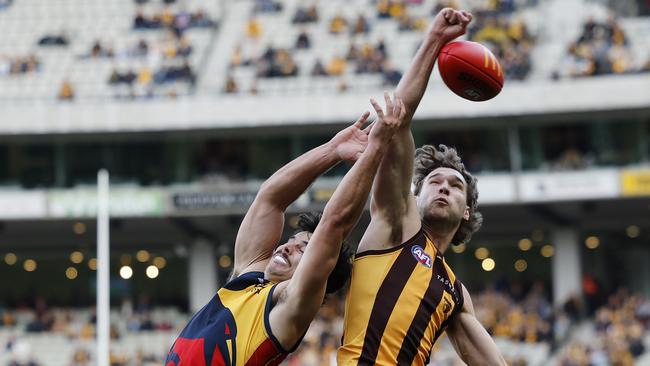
{"x":286,"y":257}
{"x":443,"y":196}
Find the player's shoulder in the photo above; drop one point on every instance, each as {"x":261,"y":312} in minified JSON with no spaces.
{"x":382,"y":236}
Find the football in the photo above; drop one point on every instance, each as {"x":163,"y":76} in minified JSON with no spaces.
{"x":470,"y":70}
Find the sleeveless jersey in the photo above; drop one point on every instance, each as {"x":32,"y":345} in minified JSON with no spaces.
{"x":400,"y":301}
{"x":232,"y":329}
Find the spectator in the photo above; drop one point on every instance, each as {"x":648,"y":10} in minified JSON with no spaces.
{"x":97,"y":50}
{"x":19,"y":65}
{"x":383,"y":9}
{"x":338,"y":24}
{"x":201,"y":20}
{"x":181,"y":23}
{"x":140,"y":22}
{"x":267,"y":6}
{"x":305,"y":15}
{"x":145,"y":77}
{"x":336,"y":66}
{"x":66,"y":92}
{"x":253,"y":29}
{"x":231,"y":85}
{"x":391,"y":75}
{"x":81,"y":357}
{"x":318,"y":69}
{"x":353,"y":53}
{"x":184,"y":47}
{"x":53,"y":40}
{"x":141,"y":49}
{"x":396,"y":9}
{"x":303,"y":41}
{"x":600,"y":49}
{"x":361,"y":26}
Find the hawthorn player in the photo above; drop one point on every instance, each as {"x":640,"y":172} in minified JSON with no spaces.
{"x":403,"y":295}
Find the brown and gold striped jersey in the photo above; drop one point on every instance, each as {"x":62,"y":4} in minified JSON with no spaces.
{"x":400,"y":301}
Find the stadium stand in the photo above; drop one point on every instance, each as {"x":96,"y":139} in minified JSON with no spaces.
{"x":103,"y":50}
{"x":156,"y":48}
{"x":379,"y":38}
{"x":76,"y":51}
{"x":139,"y":336}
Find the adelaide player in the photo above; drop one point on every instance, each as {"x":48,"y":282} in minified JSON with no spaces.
{"x":403,"y":295}
{"x":262,"y":313}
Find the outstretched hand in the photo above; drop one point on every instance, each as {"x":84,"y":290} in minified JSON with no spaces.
{"x":352,"y":141}
{"x":387,"y":123}
{"x":449,"y":24}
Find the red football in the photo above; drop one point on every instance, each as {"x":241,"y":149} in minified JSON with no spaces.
{"x":470,"y":70}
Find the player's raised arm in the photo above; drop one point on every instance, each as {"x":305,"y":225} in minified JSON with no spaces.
{"x":391,"y":200}
{"x":262,"y":226}
{"x":470,"y":340}
{"x":304,"y":293}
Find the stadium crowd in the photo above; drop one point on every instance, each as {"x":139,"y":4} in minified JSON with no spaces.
{"x":18,"y":65}
{"x":620,"y":327}
{"x":602,"y":48}
{"x":508,"y":310}
{"x":168,"y":70}
{"x":78,"y":326}
{"x":497,"y":25}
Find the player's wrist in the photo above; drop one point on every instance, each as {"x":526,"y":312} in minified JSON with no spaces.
{"x":332,"y":150}
{"x":378,"y":145}
{"x":435,"y":37}
{"x":433,"y":42}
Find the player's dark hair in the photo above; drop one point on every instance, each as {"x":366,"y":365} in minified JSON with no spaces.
{"x":427,"y":159}
{"x":343,"y":269}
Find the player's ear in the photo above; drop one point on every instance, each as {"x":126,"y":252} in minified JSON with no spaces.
{"x":466,"y":214}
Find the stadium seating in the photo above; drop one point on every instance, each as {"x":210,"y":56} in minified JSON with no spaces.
{"x":61,"y":35}
{"x":66,"y":336}
{"x":120,"y":49}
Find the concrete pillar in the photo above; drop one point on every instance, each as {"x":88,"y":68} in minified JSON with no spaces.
{"x":567,"y":269}
{"x":202,"y":274}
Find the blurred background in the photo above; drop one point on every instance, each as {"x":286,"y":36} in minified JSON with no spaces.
{"x":191,"y":104}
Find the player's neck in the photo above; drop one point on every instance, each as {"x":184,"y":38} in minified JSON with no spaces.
{"x":440,"y":233}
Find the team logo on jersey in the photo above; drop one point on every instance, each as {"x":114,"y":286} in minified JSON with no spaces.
{"x":421,"y":256}
{"x":214,"y":344}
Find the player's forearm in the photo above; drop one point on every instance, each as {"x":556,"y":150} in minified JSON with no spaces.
{"x":414,"y":82}
{"x":347,"y":203}
{"x":476,"y":346}
{"x":288,"y":183}
{"x":393,"y":181}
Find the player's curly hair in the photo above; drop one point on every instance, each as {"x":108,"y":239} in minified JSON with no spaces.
{"x":343,"y":269}
{"x":427,"y":159}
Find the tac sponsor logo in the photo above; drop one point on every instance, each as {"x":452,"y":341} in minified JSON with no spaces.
{"x":421,"y":256}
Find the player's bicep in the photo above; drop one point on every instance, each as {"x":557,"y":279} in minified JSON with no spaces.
{"x":258,"y":234}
